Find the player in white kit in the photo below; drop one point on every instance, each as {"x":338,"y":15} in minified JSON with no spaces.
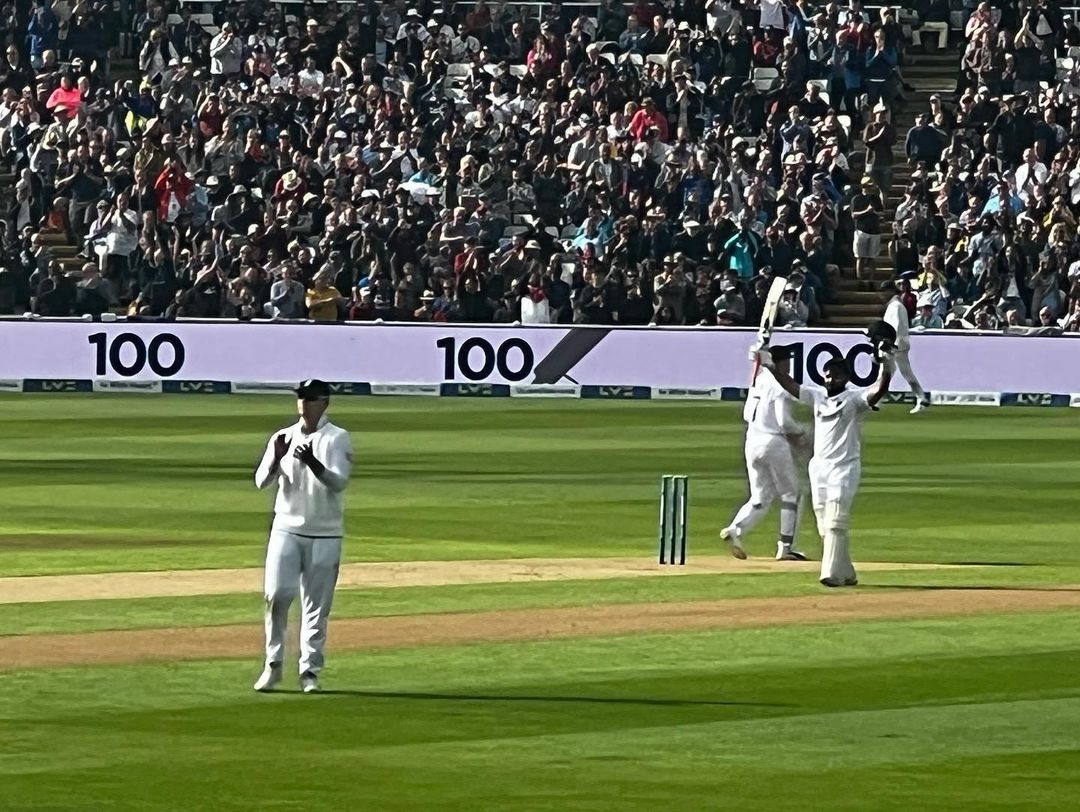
{"x":772,"y":439}
{"x":896,"y":316}
{"x":304,"y":551}
{"x":835,"y":468}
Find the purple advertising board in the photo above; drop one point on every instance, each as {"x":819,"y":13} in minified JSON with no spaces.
{"x":516,"y":355}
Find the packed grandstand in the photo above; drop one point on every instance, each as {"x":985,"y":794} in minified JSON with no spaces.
{"x":653,"y":163}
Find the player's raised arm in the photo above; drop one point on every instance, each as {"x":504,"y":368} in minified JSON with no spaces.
{"x":764,"y":357}
{"x":270,"y":465}
{"x":881,"y":387}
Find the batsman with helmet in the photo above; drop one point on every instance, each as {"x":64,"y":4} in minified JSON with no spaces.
{"x":773,"y":438}
{"x":835,"y":468}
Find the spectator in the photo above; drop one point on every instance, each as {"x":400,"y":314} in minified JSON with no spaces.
{"x":226,"y":53}
{"x":730,"y":306}
{"x":8,"y":293}
{"x":287,"y":296}
{"x":66,"y":101}
{"x":792,"y":312}
{"x":157,"y":54}
{"x":42,"y":33}
{"x":927,"y":319}
{"x":23,"y":211}
{"x":94,"y":294}
{"x":323,"y":300}
{"x":924,"y":142}
{"x":56,"y":294}
{"x":879,"y":138}
{"x":1030,"y":175}
{"x":866,"y":208}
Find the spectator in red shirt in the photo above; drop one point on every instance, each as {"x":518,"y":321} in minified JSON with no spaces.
{"x":767,"y":48}
{"x":172,"y":188}
{"x":543,"y":56}
{"x":66,"y":100}
{"x":648,"y":116}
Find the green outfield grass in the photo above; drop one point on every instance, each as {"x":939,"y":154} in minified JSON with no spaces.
{"x":926,"y":715}
{"x":129,"y":483}
{"x":977,"y":712}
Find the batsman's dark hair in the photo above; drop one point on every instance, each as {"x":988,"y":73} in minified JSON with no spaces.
{"x":837,"y":365}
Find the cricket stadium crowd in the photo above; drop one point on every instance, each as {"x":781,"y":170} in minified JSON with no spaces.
{"x":646,"y":163}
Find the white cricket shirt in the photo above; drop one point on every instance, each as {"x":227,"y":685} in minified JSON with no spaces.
{"x":769,"y":408}
{"x":305,"y":504}
{"x":896,"y":316}
{"x":837,"y":424}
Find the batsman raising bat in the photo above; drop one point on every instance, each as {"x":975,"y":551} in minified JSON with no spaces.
{"x":835,"y":468}
{"x":773,"y":438}
{"x":768,"y":318}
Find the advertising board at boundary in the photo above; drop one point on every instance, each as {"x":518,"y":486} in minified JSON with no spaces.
{"x":518,"y":360}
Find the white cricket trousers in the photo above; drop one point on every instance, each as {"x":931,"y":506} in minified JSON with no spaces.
{"x":832,"y":491}
{"x":903,"y":366}
{"x":773,"y":474}
{"x":309,"y":566}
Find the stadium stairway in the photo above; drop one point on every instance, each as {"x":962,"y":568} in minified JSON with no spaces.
{"x":929,"y":74}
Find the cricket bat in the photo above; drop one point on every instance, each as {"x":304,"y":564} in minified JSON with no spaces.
{"x":768,"y":317}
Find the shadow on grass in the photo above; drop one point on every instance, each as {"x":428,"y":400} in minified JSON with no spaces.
{"x":599,"y":700}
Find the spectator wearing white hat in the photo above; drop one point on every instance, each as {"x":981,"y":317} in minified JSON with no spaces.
{"x":792,"y":312}
{"x":926,"y":319}
{"x":324,"y":302}
{"x":411,"y":28}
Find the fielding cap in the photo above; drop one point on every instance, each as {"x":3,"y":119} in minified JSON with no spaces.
{"x":313,"y":389}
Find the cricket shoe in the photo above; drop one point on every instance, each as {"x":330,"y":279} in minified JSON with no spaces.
{"x":785,"y":552}
{"x":309,"y":683}
{"x":921,"y":406}
{"x":839,"y":582}
{"x":269,"y":678}
{"x":734,"y":539}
